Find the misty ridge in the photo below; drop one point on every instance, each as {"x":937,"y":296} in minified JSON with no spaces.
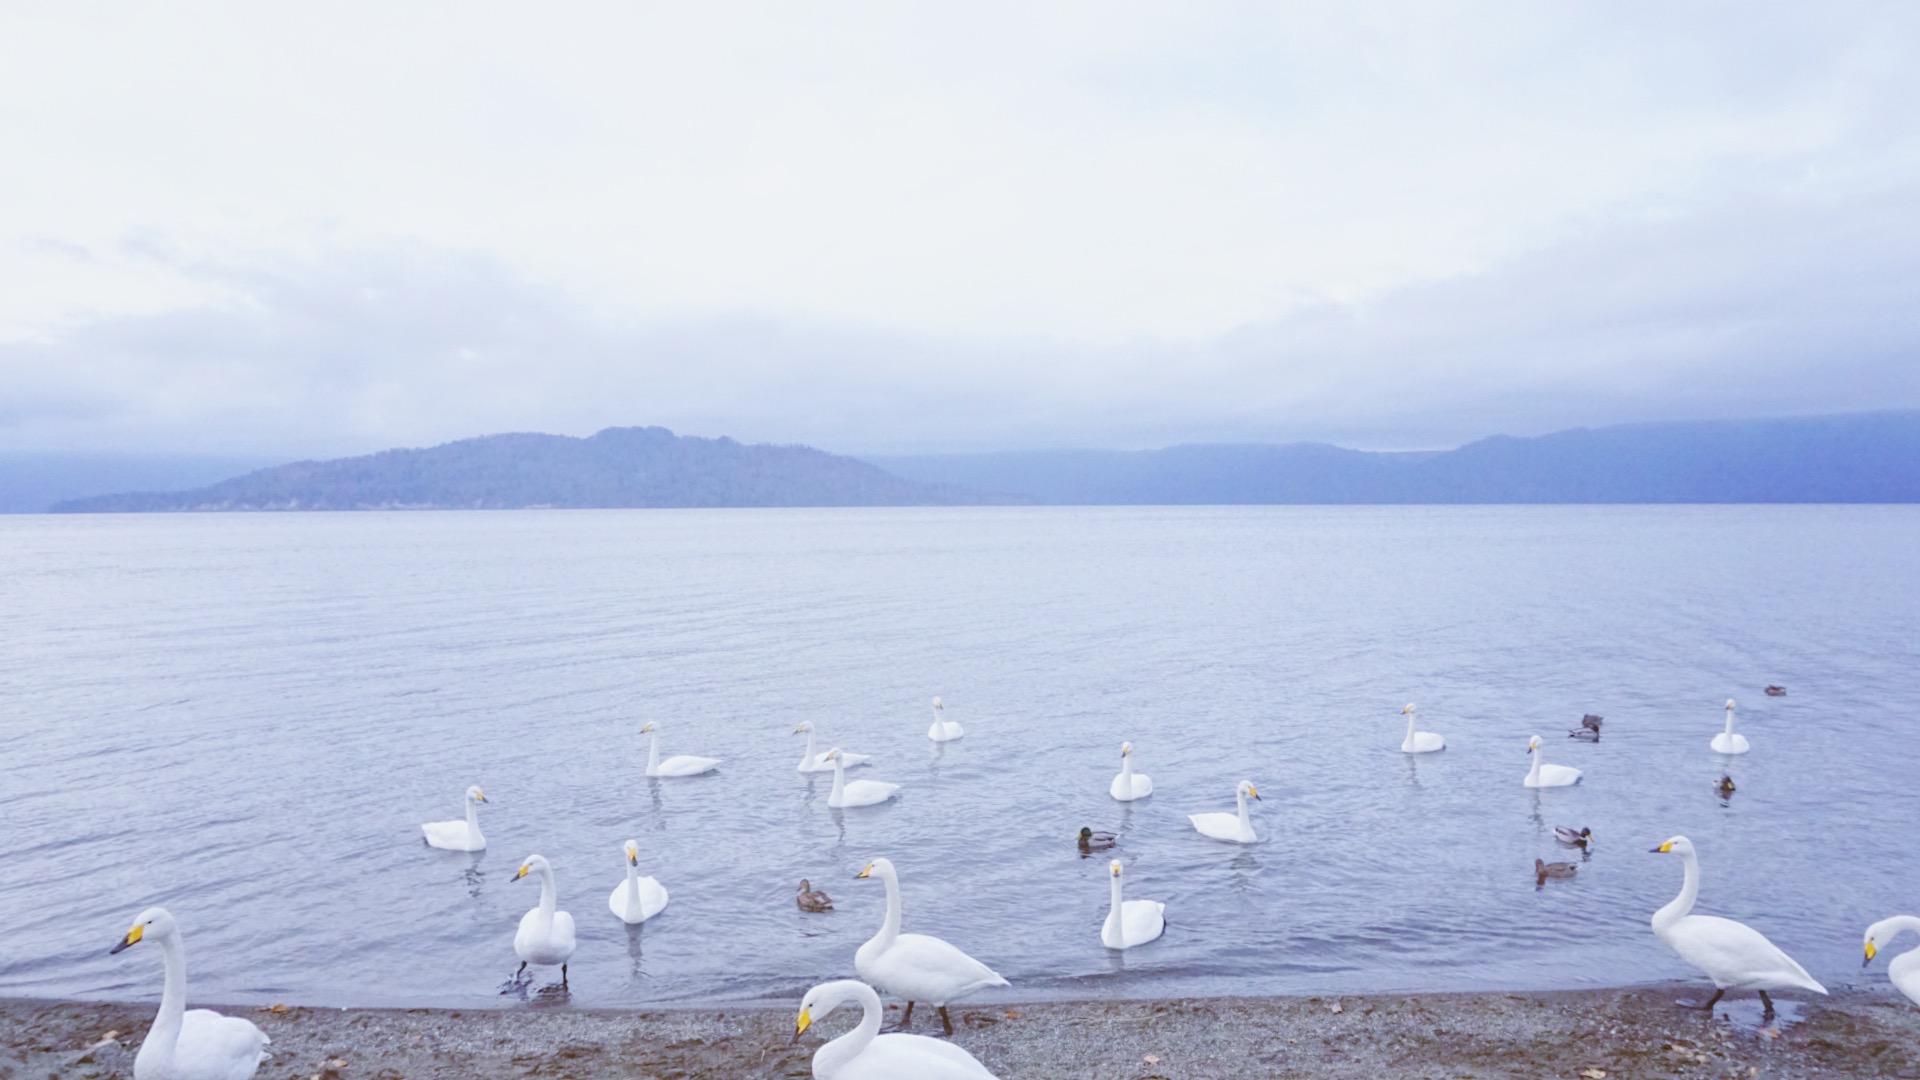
{"x":1857,"y":458}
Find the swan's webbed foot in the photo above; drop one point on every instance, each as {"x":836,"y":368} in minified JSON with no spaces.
{"x":946,"y":1021}
{"x":518,"y":983}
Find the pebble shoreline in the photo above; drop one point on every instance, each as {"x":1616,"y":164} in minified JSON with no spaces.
{"x":1625,"y":1033}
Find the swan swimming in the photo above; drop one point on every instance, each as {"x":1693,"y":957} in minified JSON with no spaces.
{"x":865,"y":1054}
{"x":943,"y":730}
{"x":1130,"y":922}
{"x":812,"y":762}
{"x":188,"y":1044}
{"x":1734,"y":955}
{"x":1129,"y":785}
{"x":1419,"y":742}
{"x":1542,"y":774}
{"x":1904,"y":970}
{"x":459,"y":835}
{"x":916,"y":967}
{"x":1728,"y":741}
{"x":1233,"y":828}
{"x":678,"y":764}
{"x":855,"y":792}
{"x":545,"y":936}
{"x":636,"y":899}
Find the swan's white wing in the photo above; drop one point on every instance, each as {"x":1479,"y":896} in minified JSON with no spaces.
{"x":1425,"y":742}
{"x":1142,"y":787}
{"x":219,"y":1047}
{"x":1218,"y":826}
{"x":687,"y":765}
{"x":562,"y":939}
{"x":1145,"y":920}
{"x":923,"y":968}
{"x":1735,"y":955}
{"x":867,"y":792}
{"x":912,"y":1057}
{"x":653,"y":897}
{"x":452,"y":836}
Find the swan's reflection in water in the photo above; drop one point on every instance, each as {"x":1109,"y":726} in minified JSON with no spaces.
{"x":473,"y":875}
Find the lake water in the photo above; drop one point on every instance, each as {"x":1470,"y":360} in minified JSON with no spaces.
{"x":245,"y":718}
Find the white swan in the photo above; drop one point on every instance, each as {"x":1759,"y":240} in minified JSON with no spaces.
{"x":1129,"y":785}
{"x":1728,"y":742}
{"x":916,"y":967}
{"x":812,"y":762}
{"x":545,"y":936}
{"x":1419,"y":742}
{"x":1734,"y":955}
{"x":1905,"y":968}
{"x":189,"y":1044}
{"x":857,"y":792}
{"x":865,"y":1054}
{"x":943,"y":730}
{"x":459,"y":835}
{"x":636,"y":899}
{"x":678,"y":764}
{"x":1233,"y":828}
{"x":1541,"y":774}
{"x":1131,"y":922}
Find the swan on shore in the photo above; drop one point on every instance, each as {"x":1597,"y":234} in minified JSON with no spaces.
{"x":678,"y":764}
{"x":865,"y":1054}
{"x":1729,"y":741}
{"x":1734,"y":955}
{"x":944,"y":730}
{"x":183,"y":1043}
{"x":1903,"y":970}
{"x":1130,"y":922}
{"x":1419,"y":742}
{"x":459,"y":835}
{"x":636,"y":899}
{"x":916,"y":967}
{"x":545,"y":937}
{"x":1129,"y":785}
{"x":1233,"y":828}
{"x":1541,"y":774}
{"x":847,"y":793}
{"x":812,"y":762}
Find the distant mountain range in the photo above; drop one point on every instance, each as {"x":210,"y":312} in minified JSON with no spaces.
{"x":1858,"y":458}
{"x":619,"y":467}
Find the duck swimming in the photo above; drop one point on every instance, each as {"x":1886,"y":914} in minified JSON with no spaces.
{"x":808,"y":898}
{"x":1776,"y":691}
{"x":1589,"y":728}
{"x":1724,"y":786}
{"x":1096,"y":841}
{"x":1577,"y":839}
{"x":1543,"y":870}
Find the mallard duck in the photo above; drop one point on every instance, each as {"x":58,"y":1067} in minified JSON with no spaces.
{"x":808,"y":898}
{"x":1544,"y":870}
{"x":1776,"y":691}
{"x":1724,"y":786}
{"x":1096,"y":841}
{"x":1589,"y":728}
{"x":1577,"y":839}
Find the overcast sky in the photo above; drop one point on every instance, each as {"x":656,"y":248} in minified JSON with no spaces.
{"x":334,"y":228}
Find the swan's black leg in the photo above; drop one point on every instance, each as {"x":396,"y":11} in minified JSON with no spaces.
{"x":522,"y":973}
{"x":947,"y":1021}
{"x":1711,"y":1002}
{"x":1768,"y":1002}
{"x":563,"y":976}
{"x":906,"y":1017}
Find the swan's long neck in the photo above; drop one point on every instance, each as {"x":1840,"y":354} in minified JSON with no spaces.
{"x":473,"y":817}
{"x":831,"y":1058}
{"x":1533,"y":770}
{"x":165,"y":1033}
{"x":890,"y":928}
{"x":653,"y":751}
{"x":1245,"y":823}
{"x":1678,"y":907}
{"x":1126,"y":773}
{"x":839,"y":779}
{"x":1729,"y":727}
{"x":633,"y":886}
{"x":1113,"y":912}
{"x":1409,"y":739}
{"x":810,"y":755}
{"x":549,"y":893}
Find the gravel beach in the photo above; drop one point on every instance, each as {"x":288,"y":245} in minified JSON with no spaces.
{"x":1639,"y":1032}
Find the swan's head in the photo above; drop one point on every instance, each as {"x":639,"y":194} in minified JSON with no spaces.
{"x":474,"y":794}
{"x":1126,"y":748}
{"x":633,"y":853}
{"x":1879,"y":936}
{"x":646,"y":727}
{"x":1533,"y":744}
{"x":1408,"y":711}
{"x":877,"y":866}
{"x":533,"y":865}
{"x":820,"y":1001}
{"x":1246,"y":788}
{"x":1114,"y":868}
{"x":802,"y":728}
{"x":1678,"y":845}
{"x":831,"y":755}
{"x":153,"y":922}
{"x":937,"y":705}
{"x":1729,"y":704}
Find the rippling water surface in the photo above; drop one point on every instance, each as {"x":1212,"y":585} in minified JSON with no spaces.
{"x":245,"y":718}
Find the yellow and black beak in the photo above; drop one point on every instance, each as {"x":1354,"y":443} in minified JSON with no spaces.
{"x":867,"y":873}
{"x":1663,"y":849}
{"x":1253,"y":791}
{"x":524,"y":870}
{"x":134,"y":935}
{"x":801,"y":1025}
{"x":1871,"y":953}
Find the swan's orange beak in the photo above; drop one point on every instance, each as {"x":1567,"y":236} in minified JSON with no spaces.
{"x":134,"y":935}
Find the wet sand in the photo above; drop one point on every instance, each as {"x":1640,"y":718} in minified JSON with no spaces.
{"x":1638,"y":1032}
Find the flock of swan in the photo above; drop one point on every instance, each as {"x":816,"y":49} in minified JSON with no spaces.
{"x":200,"y":1044}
